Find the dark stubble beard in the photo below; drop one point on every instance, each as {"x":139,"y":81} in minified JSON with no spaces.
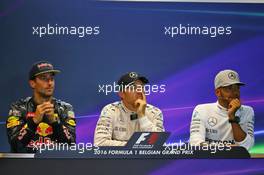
{"x":226,"y":100}
{"x":45,"y":96}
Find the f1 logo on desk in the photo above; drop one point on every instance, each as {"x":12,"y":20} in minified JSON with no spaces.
{"x":146,"y":140}
{"x":151,"y":139}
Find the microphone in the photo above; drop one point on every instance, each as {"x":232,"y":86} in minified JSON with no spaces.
{"x":133,"y":116}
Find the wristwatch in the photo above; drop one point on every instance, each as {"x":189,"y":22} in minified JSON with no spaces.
{"x":235,"y":120}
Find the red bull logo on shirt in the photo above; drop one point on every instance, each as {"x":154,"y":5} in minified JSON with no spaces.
{"x":44,"y":129}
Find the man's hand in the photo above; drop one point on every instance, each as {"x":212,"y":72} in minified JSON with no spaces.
{"x":45,"y":108}
{"x":234,"y":105}
{"x":141,"y":105}
{"x":50,"y":115}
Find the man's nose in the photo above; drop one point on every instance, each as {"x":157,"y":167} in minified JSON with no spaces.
{"x":139,"y":95}
{"x":236,"y":92}
{"x":50,"y":81}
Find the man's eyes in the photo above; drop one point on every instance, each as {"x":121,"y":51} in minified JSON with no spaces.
{"x":46,"y":78}
{"x":231,"y":88}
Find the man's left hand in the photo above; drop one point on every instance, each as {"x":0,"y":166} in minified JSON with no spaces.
{"x":141,"y":105}
{"x":50,"y":115}
{"x":234,"y":105}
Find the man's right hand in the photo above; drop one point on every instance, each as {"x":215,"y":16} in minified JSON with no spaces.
{"x":42,"y":109}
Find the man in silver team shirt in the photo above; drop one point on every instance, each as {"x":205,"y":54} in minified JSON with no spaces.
{"x":225,"y":121}
{"x":119,"y":120}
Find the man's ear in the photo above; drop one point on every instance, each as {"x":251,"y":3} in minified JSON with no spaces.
{"x":32,"y":84}
{"x":218,"y":92}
